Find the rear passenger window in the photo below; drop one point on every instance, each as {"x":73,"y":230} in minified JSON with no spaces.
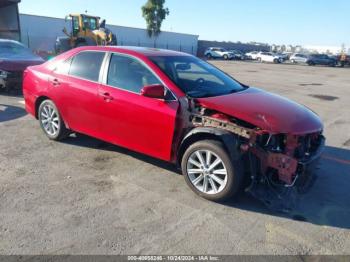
{"x":87,"y":65}
{"x":63,"y":67}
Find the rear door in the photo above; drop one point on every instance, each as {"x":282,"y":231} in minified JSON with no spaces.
{"x":75,"y":85}
{"x":129,"y":119}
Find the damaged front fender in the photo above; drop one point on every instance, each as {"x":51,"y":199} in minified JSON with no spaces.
{"x":278,"y":167}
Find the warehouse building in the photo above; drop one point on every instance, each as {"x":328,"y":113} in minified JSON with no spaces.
{"x":39,"y":33}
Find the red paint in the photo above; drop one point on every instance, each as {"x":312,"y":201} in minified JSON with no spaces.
{"x":267,"y":111}
{"x":153,"y":91}
{"x":145,"y":124}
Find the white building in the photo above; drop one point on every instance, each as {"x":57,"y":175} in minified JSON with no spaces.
{"x":39,"y":33}
{"x":323,"y":49}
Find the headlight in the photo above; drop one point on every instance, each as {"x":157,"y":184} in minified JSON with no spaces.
{"x":3,"y":74}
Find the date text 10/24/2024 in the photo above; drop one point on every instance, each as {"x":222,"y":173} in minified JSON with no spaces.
{"x":173,"y":258}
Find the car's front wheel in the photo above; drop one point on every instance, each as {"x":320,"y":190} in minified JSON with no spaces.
{"x":209,"y":171}
{"x":51,"y":121}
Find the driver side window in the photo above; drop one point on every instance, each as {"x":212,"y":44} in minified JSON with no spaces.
{"x":129,"y":74}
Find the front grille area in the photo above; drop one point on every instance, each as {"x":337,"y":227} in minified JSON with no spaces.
{"x":307,"y":146}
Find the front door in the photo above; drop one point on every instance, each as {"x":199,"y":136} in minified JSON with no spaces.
{"x":127,"y":118}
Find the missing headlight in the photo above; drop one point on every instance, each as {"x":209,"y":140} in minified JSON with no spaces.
{"x":273,"y":143}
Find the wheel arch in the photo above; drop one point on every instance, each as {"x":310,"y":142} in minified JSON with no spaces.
{"x":229,"y":140}
{"x":38,"y":102}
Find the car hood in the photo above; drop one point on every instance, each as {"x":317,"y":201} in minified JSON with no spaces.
{"x":19,"y":62}
{"x":266,"y":110}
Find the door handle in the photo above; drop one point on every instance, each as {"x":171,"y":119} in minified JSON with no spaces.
{"x":106,"y":96}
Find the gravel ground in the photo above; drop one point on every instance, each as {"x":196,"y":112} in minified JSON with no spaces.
{"x":84,"y":196}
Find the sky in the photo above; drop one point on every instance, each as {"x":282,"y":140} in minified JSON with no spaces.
{"x":304,"y":22}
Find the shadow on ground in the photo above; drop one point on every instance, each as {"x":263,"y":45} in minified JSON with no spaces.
{"x":8,"y":112}
{"x":89,"y":142}
{"x":327,"y":203}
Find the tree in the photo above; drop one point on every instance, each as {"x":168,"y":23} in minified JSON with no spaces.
{"x":154,"y":13}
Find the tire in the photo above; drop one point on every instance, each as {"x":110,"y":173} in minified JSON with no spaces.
{"x":220,"y":186}
{"x":259,"y":59}
{"x":209,"y":56}
{"x":310,"y":63}
{"x":225,"y":57}
{"x":51,"y":121}
{"x":293,"y":61}
{"x":276,"y":61}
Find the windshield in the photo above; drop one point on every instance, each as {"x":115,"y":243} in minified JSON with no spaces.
{"x":195,"y":77}
{"x":90,"y":23}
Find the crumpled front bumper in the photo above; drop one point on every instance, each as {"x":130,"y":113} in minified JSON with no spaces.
{"x":306,"y":169}
{"x":290,"y":170}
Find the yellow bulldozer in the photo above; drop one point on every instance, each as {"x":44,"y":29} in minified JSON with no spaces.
{"x":86,"y":30}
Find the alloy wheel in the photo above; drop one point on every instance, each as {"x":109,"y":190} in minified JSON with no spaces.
{"x":50,"y":120}
{"x":207,"y":172}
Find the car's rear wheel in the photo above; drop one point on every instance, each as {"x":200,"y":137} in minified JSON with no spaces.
{"x":226,"y":57}
{"x":293,"y":61}
{"x":259,"y":59}
{"x":51,"y":121}
{"x":209,"y":171}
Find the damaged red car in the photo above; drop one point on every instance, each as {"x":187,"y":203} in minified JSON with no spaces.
{"x":224,"y":135}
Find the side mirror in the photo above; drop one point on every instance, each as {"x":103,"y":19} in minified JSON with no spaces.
{"x":153,"y":91}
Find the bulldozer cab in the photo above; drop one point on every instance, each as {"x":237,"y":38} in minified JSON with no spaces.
{"x":83,"y":23}
{"x":86,"y":30}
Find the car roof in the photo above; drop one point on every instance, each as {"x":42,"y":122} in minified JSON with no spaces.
{"x":134,"y":50}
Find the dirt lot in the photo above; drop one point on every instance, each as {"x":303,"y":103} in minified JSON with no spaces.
{"x":84,"y":196}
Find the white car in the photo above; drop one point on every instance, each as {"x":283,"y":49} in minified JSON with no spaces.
{"x":218,"y":52}
{"x":252,"y":55}
{"x":298,"y":58}
{"x":269,"y":57}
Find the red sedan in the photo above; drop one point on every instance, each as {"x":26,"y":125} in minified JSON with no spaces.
{"x":178,"y":108}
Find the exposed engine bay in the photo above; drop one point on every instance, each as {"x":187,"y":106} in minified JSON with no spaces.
{"x":280,"y":166}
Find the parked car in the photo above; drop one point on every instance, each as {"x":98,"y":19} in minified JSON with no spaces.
{"x":283,"y":56}
{"x":218,"y":52}
{"x":298,"y":58}
{"x":177,"y":108}
{"x":269,"y":57}
{"x":252,"y":55}
{"x":14,"y":59}
{"x":287,"y":54}
{"x":343,"y":60}
{"x":319,"y":59}
{"x":238,"y":55}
